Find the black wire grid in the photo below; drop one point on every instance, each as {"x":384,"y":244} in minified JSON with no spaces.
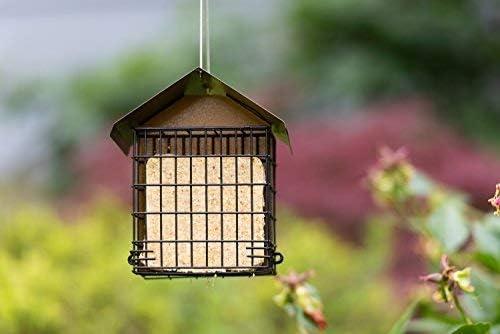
{"x":207,"y":142}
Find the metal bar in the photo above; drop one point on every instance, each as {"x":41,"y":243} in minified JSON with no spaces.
{"x":144,"y":199}
{"x":162,"y":274}
{"x":200,"y":212}
{"x":161,"y":200}
{"x":195,"y":133}
{"x":135,"y":204}
{"x":207,"y":268}
{"x":258,"y":247}
{"x":206,"y":197}
{"x":263,"y":156}
{"x":236,"y":191}
{"x":267,"y":221}
{"x":143,"y":185}
{"x":141,"y":251}
{"x":202,"y":128}
{"x":175,"y":200}
{"x":221,"y":167}
{"x":201,"y":241}
{"x":251,"y":197}
{"x":273,"y":185}
{"x":191,"y":194}
{"x":260,"y":256}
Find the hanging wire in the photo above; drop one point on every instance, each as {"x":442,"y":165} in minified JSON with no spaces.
{"x":204,"y":36}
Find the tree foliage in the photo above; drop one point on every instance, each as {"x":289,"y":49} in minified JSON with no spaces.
{"x":58,"y":277}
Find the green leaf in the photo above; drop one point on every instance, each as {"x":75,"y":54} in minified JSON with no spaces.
{"x":479,"y":328}
{"x":484,"y":304}
{"x":430,"y":326}
{"x":448,"y":225}
{"x":401,"y":324}
{"x":282,"y":298}
{"x":421,"y":185}
{"x":489,"y":261}
{"x":306,"y":326}
{"x":495,"y":329}
{"x":487,"y":241}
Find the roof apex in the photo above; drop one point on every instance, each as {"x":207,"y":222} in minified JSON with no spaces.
{"x":196,"y":82}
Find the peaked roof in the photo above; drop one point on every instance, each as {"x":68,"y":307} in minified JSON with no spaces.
{"x":196,"y":82}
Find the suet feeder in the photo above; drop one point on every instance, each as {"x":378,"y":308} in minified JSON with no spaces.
{"x":204,"y":171}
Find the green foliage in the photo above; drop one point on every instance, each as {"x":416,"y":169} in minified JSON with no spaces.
{"x":444,"y":223}
{"x":484,"y":304}
{"x":487,"y":236}
{"x":448,"y":225}
{"x":58,"y":277}
{"x":473,"y":329}
{"x":302,"y":301}
{"x":363,"y":50}
{"x":401,"y":325}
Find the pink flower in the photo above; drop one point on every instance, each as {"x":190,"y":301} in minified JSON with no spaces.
{"x":495,"y":200}
{"x":449,"y":281}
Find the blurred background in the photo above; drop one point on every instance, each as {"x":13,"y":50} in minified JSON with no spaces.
{"x":348,"y":76}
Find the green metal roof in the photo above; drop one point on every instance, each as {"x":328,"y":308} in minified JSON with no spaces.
{"x":196,"y":82}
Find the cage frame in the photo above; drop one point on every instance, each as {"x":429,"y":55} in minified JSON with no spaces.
{"x":232,"y":109}
{"x":249,"y":138}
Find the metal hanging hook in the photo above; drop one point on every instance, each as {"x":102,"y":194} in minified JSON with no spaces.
{"x":204,"y":36}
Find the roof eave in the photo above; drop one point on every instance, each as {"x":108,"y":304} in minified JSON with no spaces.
{"x":175,"y":91}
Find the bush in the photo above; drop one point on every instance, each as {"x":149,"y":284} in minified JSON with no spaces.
{"x":460,"y":244}
{"x":58,"y":277}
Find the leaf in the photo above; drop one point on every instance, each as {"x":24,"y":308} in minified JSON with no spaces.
{"x":420,"y":184}
{"x":487,"y":235}
{"x":447,"y":224}
{"x":484,"y":304}
{"x":479,"y":328}
{"x":429,"y":326}
{"x":495,"y":329}
{"x":489,"y":261}
{"x":401,"y":324}
{"x":282,"y":298}
{"x":487,"y":241}
{"x":306,"y":326}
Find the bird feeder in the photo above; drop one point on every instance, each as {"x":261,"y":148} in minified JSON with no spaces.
{"x":204,"y":171}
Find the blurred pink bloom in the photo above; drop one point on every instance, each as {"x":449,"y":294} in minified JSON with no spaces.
{"x":495,"y":200}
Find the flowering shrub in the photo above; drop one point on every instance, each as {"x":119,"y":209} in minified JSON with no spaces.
{"x":450,"y":282}
{"x":445,"y":224}
{"x":73,"y":277}
{"x":301,"y":301}
{"x":331,"y":156}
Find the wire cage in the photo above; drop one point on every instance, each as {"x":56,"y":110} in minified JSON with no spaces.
{"x":204,"y":202}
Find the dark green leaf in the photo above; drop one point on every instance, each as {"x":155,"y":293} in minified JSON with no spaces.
{"x":489,"y":261}
{"x":480,"y":328}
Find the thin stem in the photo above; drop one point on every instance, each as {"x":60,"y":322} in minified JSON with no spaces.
{"x":460,"y":309}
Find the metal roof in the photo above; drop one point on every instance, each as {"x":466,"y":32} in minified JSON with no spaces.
{"x":196,"y":82}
